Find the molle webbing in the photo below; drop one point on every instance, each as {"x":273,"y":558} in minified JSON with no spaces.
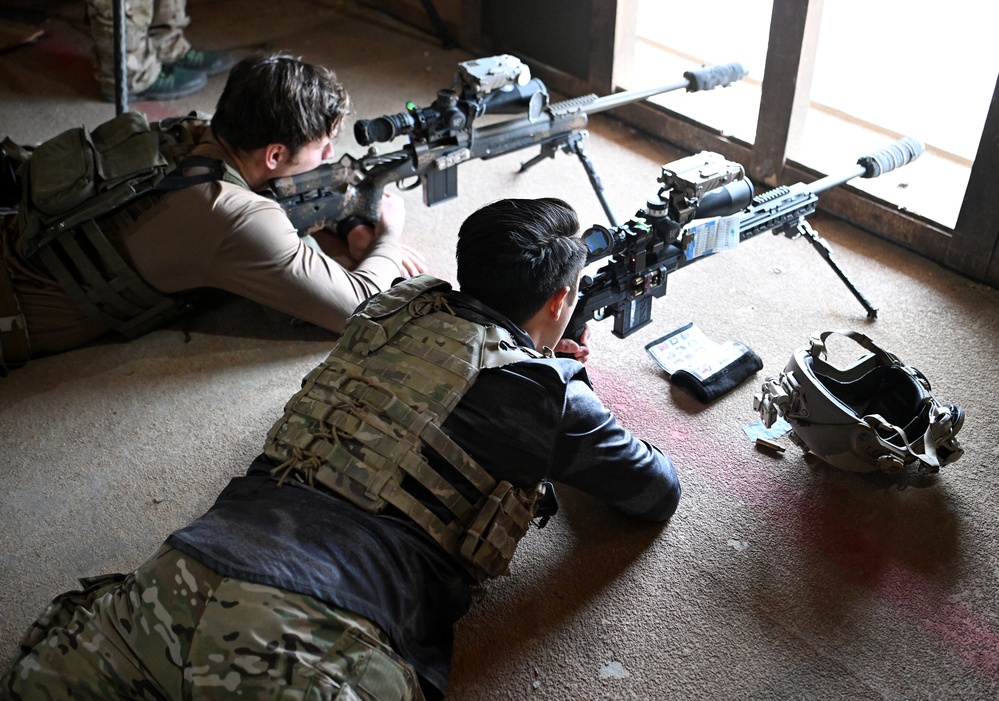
{"x":360,"y":423}
{"x":77,"y":177}
{"x":102,"y":284}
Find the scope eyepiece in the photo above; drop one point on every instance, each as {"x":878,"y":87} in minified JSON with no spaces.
{"x":382,"y":129}
{"x":600,"y":242}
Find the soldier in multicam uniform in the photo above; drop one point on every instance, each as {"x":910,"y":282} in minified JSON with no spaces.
{"x":160,"y":62}
{"x":399,"y":479}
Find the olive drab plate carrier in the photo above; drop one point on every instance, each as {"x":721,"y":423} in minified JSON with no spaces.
{"x":363,"y":416}
{"x":78,"y":176}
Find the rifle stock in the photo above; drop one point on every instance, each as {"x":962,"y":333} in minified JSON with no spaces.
{"x":351,"y":188}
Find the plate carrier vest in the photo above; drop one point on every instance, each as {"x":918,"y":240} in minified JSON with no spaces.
{"x":78,"y":176}
{"x":363,"y":416}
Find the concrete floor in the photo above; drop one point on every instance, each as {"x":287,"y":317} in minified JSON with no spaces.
{"x":779,"y":578}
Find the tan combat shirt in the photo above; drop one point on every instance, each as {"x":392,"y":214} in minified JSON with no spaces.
{"x":215,"y":235}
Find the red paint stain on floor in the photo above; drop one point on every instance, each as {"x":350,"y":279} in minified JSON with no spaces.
{"x":858,"y":551}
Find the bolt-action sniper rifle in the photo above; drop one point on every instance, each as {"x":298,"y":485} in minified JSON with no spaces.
{"x":712,"y":190}
{"x":444,"y":135}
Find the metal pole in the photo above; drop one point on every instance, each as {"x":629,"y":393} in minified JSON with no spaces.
{"x":120,"y":70}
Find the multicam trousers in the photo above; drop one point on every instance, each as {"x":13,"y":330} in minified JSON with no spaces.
{"x":154,"y":35}
{"x":173,"y":629}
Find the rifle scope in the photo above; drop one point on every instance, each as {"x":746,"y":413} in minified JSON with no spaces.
{"x":725,"y":200}
{"x":452,"y":113}
{"x":656,"y":220}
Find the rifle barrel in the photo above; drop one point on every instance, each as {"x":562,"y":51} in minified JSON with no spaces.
{"x":830,"y":181}
{"x":693,"y":81}
{"x":567,"y":112}
{"x":892,"y":156}
{"x":609,"y":102}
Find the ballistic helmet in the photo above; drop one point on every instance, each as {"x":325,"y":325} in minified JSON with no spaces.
{"x":876,"y":414}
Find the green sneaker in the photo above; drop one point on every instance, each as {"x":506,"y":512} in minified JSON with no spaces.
{"x":173,"y":82}
{"x":170,"y":84}
{"x":211,"y":62}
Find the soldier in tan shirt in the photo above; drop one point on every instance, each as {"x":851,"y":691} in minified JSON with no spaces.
{"x":225,"y":236}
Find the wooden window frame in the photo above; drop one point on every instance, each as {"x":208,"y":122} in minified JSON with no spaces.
{"x":970,"y":248}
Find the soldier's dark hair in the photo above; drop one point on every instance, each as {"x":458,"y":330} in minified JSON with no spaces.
{"x":514,"y":254}
{"x":279,"y":99}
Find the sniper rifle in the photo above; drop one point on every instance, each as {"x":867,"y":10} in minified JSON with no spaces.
{"x":714,"y":191}
{"x":444,"y":135}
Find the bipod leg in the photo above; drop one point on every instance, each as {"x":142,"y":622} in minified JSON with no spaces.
{"x":822,"y":246}
{"x":576,"y":146}
{"x":548,"y":150}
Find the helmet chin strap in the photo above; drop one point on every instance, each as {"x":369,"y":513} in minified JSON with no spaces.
{"x":939,"y":433}
{"x":818,"y":346}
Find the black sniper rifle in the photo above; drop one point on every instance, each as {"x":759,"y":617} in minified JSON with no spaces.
{"x":444,"y":135}
{"x":646,"y":249}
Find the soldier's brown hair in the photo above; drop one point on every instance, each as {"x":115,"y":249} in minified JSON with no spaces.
{"x":279,"y":99}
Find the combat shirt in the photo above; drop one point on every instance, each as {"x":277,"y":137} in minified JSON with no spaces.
{"x":216,"y":235}
{"x":531,"y":420}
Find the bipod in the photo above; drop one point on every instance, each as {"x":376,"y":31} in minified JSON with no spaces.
{"x":822,"y":246}
{"x":573,"y":143}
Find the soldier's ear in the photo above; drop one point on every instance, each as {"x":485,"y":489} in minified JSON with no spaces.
{"x":275,"y":155}
{"x":556,"y":303}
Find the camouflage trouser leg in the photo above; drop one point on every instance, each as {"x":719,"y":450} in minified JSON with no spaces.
{"x":173,"y":629}
{"x":154,"y":35}
{"x":167,"y":30}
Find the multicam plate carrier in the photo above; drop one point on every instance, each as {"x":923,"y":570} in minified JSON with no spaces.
{"x":360,"y":423}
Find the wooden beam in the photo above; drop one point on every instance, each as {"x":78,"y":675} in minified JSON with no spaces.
{"x":787,"y":81}
{"x":603,"y":24}
{"x":975,"y":247}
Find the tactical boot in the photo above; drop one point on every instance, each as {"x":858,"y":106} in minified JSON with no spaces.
{"x":170,"y":84}
{"x":173,"y":82}
{"x":211,"y":62}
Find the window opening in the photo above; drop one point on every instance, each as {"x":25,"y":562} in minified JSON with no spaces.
{"x":881,"y":70}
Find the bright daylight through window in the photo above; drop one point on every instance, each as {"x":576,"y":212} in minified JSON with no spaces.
{"x":881,"y":70}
